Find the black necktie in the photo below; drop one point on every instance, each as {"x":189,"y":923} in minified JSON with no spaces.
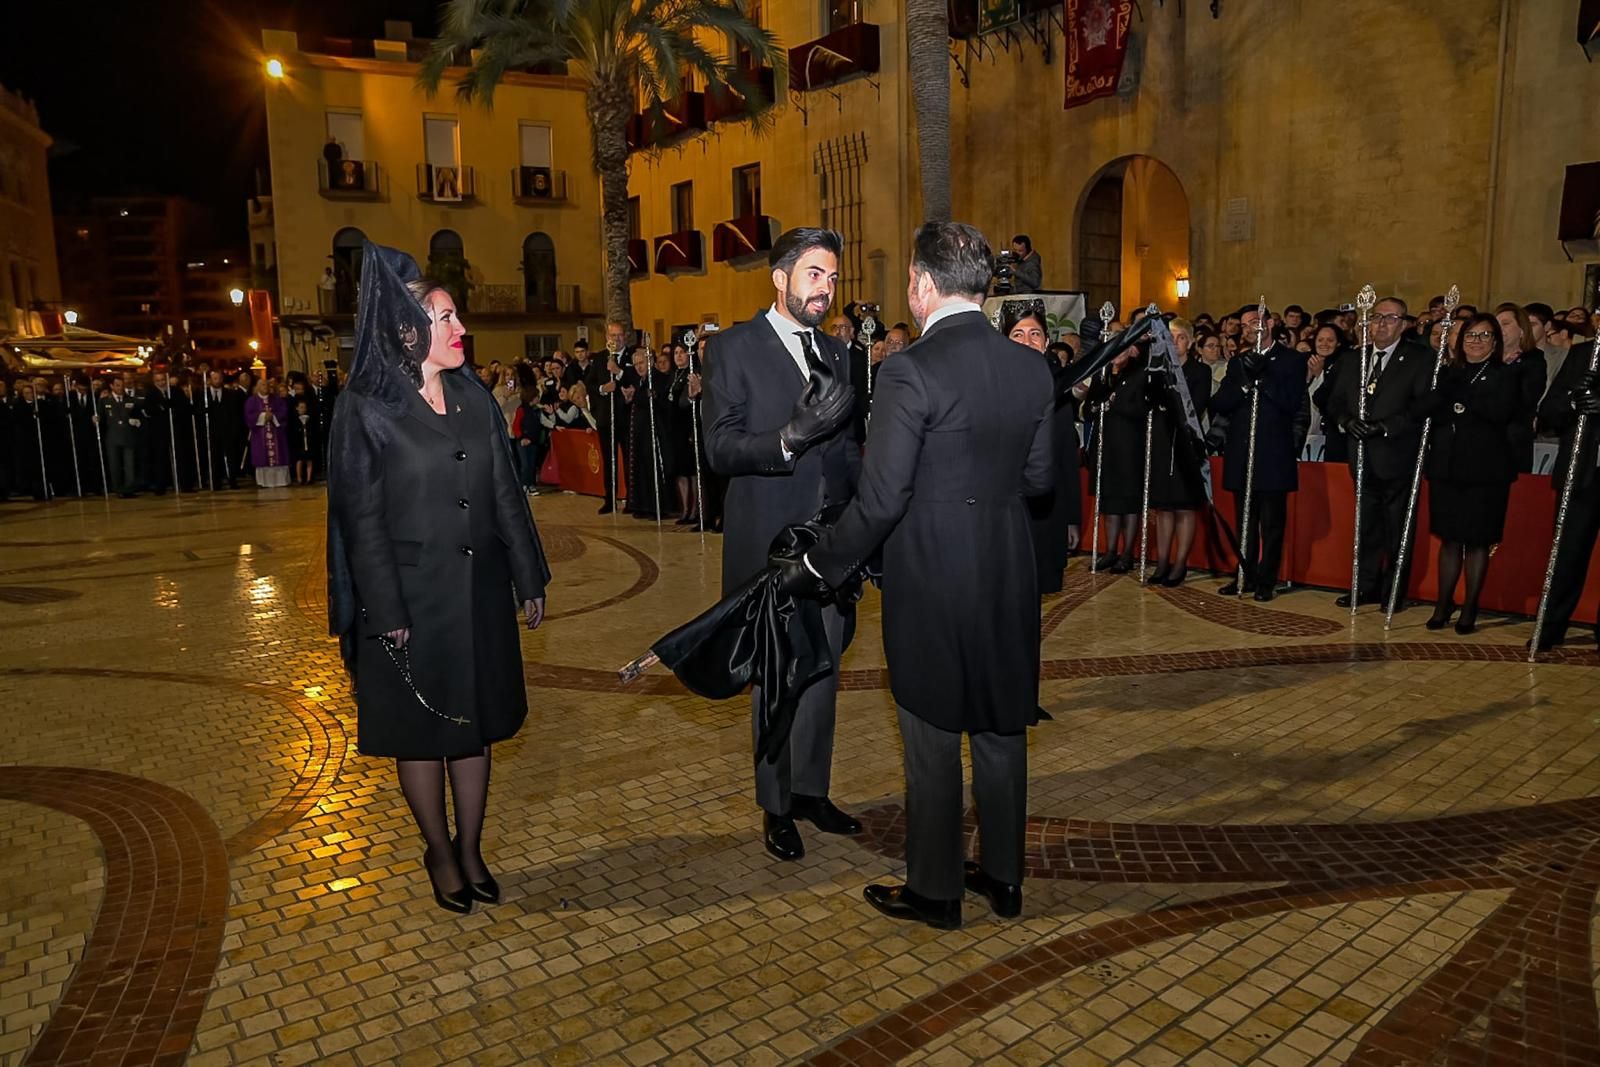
{"x":813,"y":361}
{"x":1377,"y":369}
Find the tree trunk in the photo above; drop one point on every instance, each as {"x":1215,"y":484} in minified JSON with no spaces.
{"x":928,"y":62}
{"x":609,"y":109}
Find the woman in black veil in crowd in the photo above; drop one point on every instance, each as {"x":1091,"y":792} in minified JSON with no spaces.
{"x":1057,"y":514}
{"x":429,"y":534}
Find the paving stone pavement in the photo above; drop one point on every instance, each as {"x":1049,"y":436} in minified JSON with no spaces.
{"x":1258,"y":835}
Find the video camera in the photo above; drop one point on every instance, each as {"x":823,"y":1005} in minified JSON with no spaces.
{"x":1005,"y":272}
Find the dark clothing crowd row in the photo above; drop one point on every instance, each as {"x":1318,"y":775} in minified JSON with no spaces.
{"x":187,"y":431}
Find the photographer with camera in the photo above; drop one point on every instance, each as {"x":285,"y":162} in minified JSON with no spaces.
{"x":1027,"y":269}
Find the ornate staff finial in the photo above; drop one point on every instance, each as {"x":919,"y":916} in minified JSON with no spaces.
{"x":1107,"y":312}
{"x":994,"y":319}
{"x":1367,"y":299}
{"x":1261,"y":322}
{"x":1452,"y":298}
{"x":1151,"y":310}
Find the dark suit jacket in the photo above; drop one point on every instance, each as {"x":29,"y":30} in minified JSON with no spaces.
{"x":751,"y":384}
{"x":1473,"y":446}
{"x":1395,"y":405}
{"x":1281,"y":417}
{"x":961,"y":436}
{"x":1556,"y":415}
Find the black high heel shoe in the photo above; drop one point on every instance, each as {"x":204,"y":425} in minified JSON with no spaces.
{"x":1123,"y":565}
{"x":1440,"y":619}
{"x":689,"y":520}
{"x":487,"y":890}
{"x":1157,"y":576}
{"x":1468,"y":623}
{"x":1175,"y":579}
{"x":459,"y":901}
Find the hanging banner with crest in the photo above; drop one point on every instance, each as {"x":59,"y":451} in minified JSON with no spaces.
{"x":1097,"y":44}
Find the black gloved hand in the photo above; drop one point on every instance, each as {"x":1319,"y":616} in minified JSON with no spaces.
{"x":1362,"y":429}
{"x":1255,"y":365}
{"x":796,"y":579}
{"x":1586,"y":403}
{"x":1587,"y":382}
{"x":821,"y":409}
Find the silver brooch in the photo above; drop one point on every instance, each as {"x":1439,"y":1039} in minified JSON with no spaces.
{"x":408,"y":335}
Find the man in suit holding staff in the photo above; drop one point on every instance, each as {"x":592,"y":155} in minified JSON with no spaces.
{"x":777,"y":411}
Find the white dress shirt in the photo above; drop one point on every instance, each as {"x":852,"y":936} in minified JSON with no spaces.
{"x":955,"y":307}
{"x":789,"y":333}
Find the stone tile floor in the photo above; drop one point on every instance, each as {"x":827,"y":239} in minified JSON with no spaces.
{"x":1260,"y":835}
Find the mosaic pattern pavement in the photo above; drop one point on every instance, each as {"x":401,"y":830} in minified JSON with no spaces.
{"x":1258,"y":835}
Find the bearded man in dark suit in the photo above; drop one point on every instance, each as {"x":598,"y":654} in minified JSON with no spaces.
{"x":777,"y":410}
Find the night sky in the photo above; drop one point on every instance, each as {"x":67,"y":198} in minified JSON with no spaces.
{"x":164,"y":96}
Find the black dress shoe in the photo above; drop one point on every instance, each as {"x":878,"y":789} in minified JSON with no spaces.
{"x":1004,"y":898}
{"x":1264,"y":596}
{"x":1364,"y":598}
{"x":782,"y":839}
{"x":898,"y":902}
{"x":1232,"y":588}
{"x":605,"y":510}
{"x":487,"y":890}
{"x":458,"y":901}
{"x":820,"y":812}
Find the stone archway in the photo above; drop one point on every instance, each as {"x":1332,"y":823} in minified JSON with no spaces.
{"x":1133,"y":236}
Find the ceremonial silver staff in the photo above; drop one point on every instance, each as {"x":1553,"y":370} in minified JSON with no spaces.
{"x":72,"y":440}
{"x":694,"y":438}
{"x":869,"y":326}
{"x":172,"y":439}
{"x":1107,"y":313}
{"x":655,"y":441}
{"x":211,"y":468}
{"x":38,"y":433}
{"x":1144,"y":504}
{"x":1250,"y":453}
{"x":1365,"y":301}
{"x":99,"y":446}
{"x":1561,"y":513}
{"x":611,"y":460}
{"x":1451,"y":299}
{"x":194,"y":439}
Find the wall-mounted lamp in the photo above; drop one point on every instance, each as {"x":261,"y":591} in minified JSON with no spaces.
{"x":1183,"y":287}
{"x":71,"y":316}
{"x":237,"y":296}
{"x":275,"y":69}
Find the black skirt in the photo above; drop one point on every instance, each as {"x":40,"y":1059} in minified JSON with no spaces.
{"x":1468,"y":514}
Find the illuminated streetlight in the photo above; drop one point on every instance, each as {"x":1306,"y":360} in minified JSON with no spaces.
{"x":71,"y":316}
{"x":275,"y":68}
{"x":237,"y":296}
{"x":255,"y":346}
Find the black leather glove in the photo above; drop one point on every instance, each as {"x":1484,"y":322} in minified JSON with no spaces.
{"x":1361,"y":429}
{"x":1587,"y":381}
{"x":1255,"y":365}
{"x":1586,"y":403}
{"x":796,"y":579}
{"x":821,"y":409}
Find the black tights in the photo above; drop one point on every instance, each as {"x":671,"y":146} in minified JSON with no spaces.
{"x":422,"y":781}
{"x":1452,"y":554}
{"x":1125,"y":527}
{"x":1174,"y":555}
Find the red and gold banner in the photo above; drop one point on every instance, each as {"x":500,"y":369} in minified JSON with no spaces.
{"x":1097,"y":43}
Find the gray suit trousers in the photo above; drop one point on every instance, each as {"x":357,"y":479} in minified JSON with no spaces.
{"x":935,"y":846}
{"x":805,"y":766}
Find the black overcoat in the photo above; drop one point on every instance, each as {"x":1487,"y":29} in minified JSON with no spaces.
{"x":960,"y":437}
{"x":1053,"y":512}
{"x":751,"y":385}
{"x":1120,"y":433}
{"x":1280,"y":419}
{"x":437,"y":535}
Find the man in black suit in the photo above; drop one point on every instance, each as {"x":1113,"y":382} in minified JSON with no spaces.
{"x":1575,"y":392}
{"x":1399,"y":374}
{"x":219,"y":444}
{"x":605,"y":381}
{"x":1278,"y":375}
{"x":777,"y":412}
{"x":961,"y":436}
{"x":124,"y":416}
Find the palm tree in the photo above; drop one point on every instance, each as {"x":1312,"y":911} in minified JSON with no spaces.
{"x":928,"y":63}
{"x":623,"y":51}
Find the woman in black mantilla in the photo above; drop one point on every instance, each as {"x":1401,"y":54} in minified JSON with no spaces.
{"x":1177,"y":483}
{"x":1119,"y":432}
{"x":429,"y":534}
{"x":1056,"y":515}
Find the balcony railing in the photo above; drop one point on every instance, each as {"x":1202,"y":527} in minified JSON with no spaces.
{"x":727,"y":103}
{"x":681,"y":251}
{"x":538,"y":185}
{"x":558,"y":299}
{"x":349,"y":179}
{"x":840,"y":55}
{"x":440,"y":184}
{"x":735,"y":239}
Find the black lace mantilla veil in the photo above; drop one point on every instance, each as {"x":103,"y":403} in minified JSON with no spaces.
{"x":392,"y":335}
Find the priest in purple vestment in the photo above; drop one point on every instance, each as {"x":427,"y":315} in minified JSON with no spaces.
{"x":267,"y":416}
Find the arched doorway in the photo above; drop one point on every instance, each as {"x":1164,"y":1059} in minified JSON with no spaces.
{"x":447,"y":263}
{"x":538,"y":272}
{"x":1133,"y":236}
{"x":347,"y":245}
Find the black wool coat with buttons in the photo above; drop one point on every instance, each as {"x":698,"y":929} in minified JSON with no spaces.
{"x":961,"y":436}
{"x":438,"y":538}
